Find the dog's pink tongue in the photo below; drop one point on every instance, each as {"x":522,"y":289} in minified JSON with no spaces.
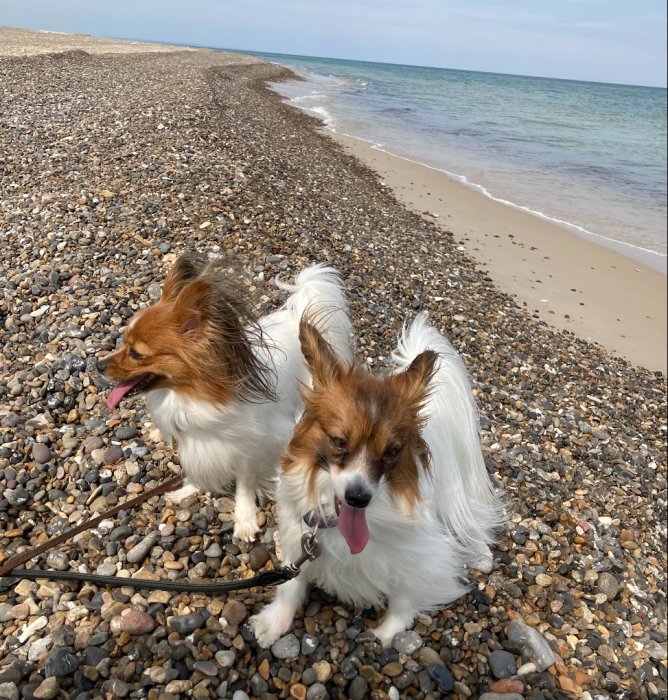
{"x":352,"y":525}
{"x":119,"y":391}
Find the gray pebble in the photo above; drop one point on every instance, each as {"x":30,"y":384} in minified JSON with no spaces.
{"x":608,"y":584}
{"x":41,"y":453}
{"x":502,"y":664}
{"x":92,"y":442}
{"x":657,"y":650}
{"x":287,"y":647}
{"x":213,"y":550}
{"x":358,"y":689}
{"x":58,"y":561}
{"x":126,"y":433}
{"x":225,"y":658}
{"x":140,"y":550}
{"x":520,"y":634}
{"x":9,"y":691}
{"x":185,"y":624}
{"x":407,"y":642}
{"x":61,"y":662}
{"x":17,"y":497}
{"x":208,"y":668}
{"x":309,"y":644}
{"x":317,"y":692}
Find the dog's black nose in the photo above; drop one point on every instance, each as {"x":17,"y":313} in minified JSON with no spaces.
{"x":101,"y":364}
{"x":357,"y":496}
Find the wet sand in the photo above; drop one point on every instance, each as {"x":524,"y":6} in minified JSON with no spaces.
{"x":562,"y":278}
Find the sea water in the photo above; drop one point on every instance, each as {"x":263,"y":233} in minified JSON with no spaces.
{"x":590,"y":156}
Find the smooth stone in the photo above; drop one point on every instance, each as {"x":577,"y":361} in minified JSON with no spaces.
{"x":214,"y":550}
{"x":443,"y":677}
{"x":126,"y":433}
{"x":41,"y":453}
{"x":258,"y":685}
{"x":507,"y":685}
{"x":287,"y":647}
{"x":309,"y":644}
{"x":208,"y":668}
{"x":92,"y":442}
{"x":185,"y":624}
{"x":17,"y":497}
{"x":502,"y":664}
{"x":323,"y":671}
{"x":234,"y":611}
{"x":58,"y":561}
{"x":317,"y":692}
{"x":358,"y":689}
{"x":140,"y":550}
{"x":240,"y":695}
{"x":112,"y":455}
{"x":136,"y":622}
{"x":520,"y":634}
{"x":258,"y":557}
{"x":225,"y":658}
{"x":501,"y":696}
{"x":608,"y":585}
{"x":9,"y":691}
{"x":407,"y":642}
{"x":47,"y":689}
{"x":430,"y":657}
{"x":106,"y":568}
{"x":61,"y":662}
{"x":657,"y":650}
{"x":5,"y":612}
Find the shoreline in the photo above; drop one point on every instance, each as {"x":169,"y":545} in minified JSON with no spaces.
{"x":564,"y":279}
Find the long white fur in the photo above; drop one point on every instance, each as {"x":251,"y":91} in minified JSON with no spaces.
{"x":464,"y":497}
{"x":243,"y":441}
{"x":416,"y":558}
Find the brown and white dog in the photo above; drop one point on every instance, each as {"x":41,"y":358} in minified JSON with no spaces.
{"x":224,"y":386}
{"x":395,"y":463}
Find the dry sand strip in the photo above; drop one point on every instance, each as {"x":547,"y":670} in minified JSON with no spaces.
{"x":113,"y":164}
{"x":562,"y":278}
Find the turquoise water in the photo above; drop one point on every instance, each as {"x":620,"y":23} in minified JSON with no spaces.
{"x":591,"y":156}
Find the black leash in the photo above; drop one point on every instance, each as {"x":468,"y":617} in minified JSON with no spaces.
{"x":266,"y":578}
{"x":10,"y":574}
{"x":310,"y":551}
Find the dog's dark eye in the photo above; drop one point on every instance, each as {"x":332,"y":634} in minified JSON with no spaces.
{"x":338,"y":444}
{"x":390,"y":454}
{"x":135,"y":355}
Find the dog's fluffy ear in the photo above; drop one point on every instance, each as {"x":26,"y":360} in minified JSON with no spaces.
{"x":186,"y":268}
{"x":323,"y":363}
{"x":190,"y":305}
{"x":414,"y":382}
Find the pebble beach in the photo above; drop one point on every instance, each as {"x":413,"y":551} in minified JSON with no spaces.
{"x":115,"y":160}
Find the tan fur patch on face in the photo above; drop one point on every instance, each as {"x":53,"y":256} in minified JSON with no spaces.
{"x":365,"y":413}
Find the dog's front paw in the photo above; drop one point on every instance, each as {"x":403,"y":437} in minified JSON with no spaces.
{"x":246,"y":529}
{"x":271,"y":624}
{"x":385,"y":636}
{"x":175,"y":497}
{"x":482,"y":561}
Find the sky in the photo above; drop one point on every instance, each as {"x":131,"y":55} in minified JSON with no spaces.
{"x":601,"y":40}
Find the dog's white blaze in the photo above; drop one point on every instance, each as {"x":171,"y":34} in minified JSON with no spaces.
{"x":356,"y":470}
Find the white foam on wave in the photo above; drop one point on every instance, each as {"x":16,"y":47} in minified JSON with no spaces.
{"x":653,"y":258}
